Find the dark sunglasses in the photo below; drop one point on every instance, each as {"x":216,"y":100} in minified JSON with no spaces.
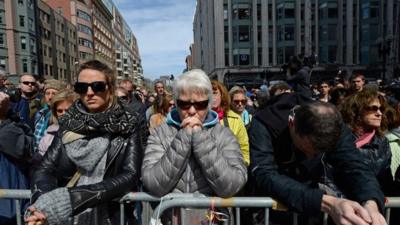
{"x":240,"y":101}
{"x":374,"y":108}
{"x":125,"y":97}
{"x":29,"y":83}
{"x":82,"y":87}
{"x":185,"y":105}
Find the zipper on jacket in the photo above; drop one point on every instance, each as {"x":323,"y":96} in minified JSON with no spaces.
{"x":188,"y":177}
{"x":119,"y":147}
{"x":97,"y":195}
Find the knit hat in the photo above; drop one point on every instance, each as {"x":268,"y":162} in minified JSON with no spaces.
{"x":54,"y":84}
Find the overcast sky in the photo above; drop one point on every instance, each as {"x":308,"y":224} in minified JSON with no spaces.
{"x":164,"y":30}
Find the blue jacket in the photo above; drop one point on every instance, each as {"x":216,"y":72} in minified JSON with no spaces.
{"x":16,"y":143}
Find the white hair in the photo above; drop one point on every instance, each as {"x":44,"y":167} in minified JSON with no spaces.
{"x":193,"y":81}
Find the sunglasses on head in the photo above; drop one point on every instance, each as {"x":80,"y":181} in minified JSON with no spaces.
{"x":97,"y":86}
{"x":375,"y":108}
{"x":29,"y":83}
{"x":185,"y":105}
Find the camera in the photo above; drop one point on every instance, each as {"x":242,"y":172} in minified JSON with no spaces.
{"x":14,"y":93}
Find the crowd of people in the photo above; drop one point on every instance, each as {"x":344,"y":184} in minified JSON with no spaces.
{"x":328,"y":148}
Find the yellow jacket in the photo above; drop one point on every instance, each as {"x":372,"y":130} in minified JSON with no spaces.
{"x":239,"y":130}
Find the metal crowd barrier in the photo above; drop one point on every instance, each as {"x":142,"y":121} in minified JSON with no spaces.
{"x":189,"y":200}
{"x":17,"y":195}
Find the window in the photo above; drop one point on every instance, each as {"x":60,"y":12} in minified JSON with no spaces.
{"x":2,"y":40}
{"x":244,"y":14}
{"x":85,"y":29}
{"x":241,"y":56}
{"x":332,"y":31}
{"x":30,"y":4}
{"x":60,"y":10}
{"x":24,"y":65}
{"x":23,"y":43}
{"x":30,"y":24}
{"x":20,"y":2}
{"x":332,"y":54}
{"x":226,"y":52}
{"x":22,"y":21}
{"x":244,"y":34}
{"x":289,"y":13}
{"x":83,"y":15}
{"x":289,"y":33}
{"x":32,"y":45}
{"x":332,"y":13}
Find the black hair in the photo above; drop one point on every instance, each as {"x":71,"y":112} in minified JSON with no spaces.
{"x":320,"y":122}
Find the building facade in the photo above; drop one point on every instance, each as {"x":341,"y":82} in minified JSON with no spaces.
{"x":57,"y":46}
{"x":238,"y":39}
{"x":79,"y":12}
{"x":127,"y":57}
{"x":18,"y":42}
{"x":102,"y":32}
{"x":50,"y":38}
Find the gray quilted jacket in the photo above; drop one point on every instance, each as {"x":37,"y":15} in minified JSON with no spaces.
{"x":208,"y":161}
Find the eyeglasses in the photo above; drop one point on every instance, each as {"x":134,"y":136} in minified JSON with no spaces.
{"x":29,"y":83}
{"x":243,"y":102}
{"x":59,"y":111}
{"x":82,"y":87}
{"x":375,"y":108}
{"x":124,"y":97}
{"x":185,"y":105}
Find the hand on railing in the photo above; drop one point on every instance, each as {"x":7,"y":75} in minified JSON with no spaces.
{"x":34,"y":217}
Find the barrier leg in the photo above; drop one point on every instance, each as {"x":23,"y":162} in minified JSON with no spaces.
{"x":122,"y":214}
{"x":295,"y":219}
{"x":237,"y":216}
{"x":325,"y":218}
{"x":266,"y":217}
{"x":387,"y":215}
{"x":18,"y":211}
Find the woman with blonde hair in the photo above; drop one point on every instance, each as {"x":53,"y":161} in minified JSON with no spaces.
{"x":228,"y":118}
{"x":99,"y":145}
{"x":60,"y":103}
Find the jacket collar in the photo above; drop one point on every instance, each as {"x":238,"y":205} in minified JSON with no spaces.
{"x":174,"y":119}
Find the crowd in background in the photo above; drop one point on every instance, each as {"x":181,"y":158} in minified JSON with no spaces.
{"x":79,"y":146}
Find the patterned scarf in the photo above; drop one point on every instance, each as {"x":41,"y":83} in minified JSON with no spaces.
{"x":116,"y":120}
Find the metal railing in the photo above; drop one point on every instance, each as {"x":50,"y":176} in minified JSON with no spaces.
{"x":174,"y":200}
{"x":17,"y":195}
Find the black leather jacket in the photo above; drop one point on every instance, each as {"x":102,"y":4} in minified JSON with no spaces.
{"x":121,"y":175}
{"x":378,"y":157}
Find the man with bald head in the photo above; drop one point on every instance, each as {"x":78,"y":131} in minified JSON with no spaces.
{"x":30,"y":100}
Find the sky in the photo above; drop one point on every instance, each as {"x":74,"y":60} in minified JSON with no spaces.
{"x":164,"y":31}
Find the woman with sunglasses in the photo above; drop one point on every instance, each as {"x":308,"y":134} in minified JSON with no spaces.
{"x":192,"y":152}
{"x":238,"y":104}
{"x":365,"y":113}
{"x":92,"y":160}
{"x":228,"y":118}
